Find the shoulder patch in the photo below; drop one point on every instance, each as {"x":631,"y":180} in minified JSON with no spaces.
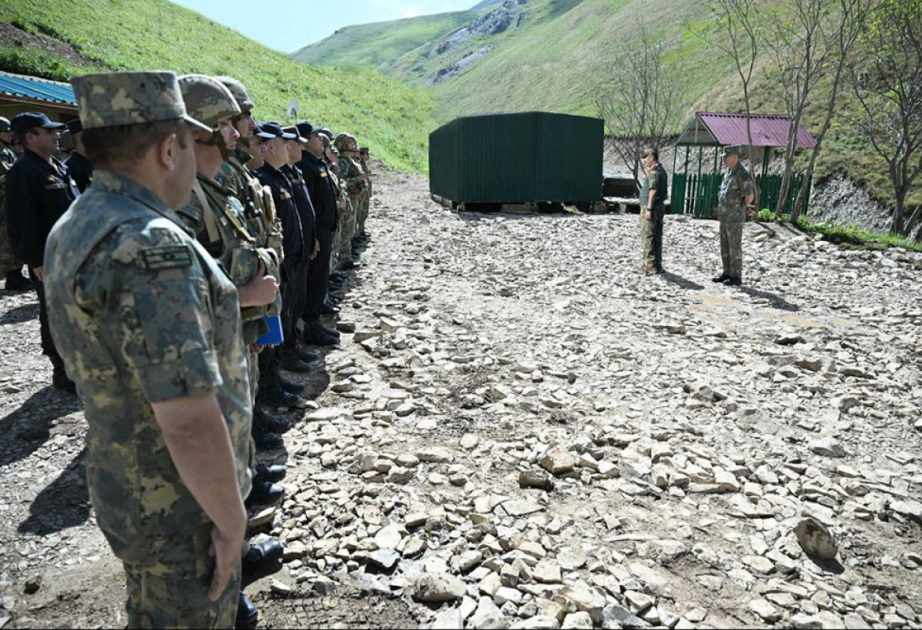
{"x":167,"y":257}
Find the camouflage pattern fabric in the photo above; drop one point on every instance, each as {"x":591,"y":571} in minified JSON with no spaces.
{"x":8,"y":261}
{"x":166,"y":588}
{"x":651,"y":232}
{"x":221,"y":229}
{"x":142,"y":314}
{"x":258,"y":206}
{"x":354,"y":187}
{"x":735,"y":187}
{"x":207,"y":99}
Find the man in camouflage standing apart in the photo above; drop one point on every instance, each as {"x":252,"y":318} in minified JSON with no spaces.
{"x":354,"y":183}
{"x":149,"y":326}
{"x":735,"y":199}
{"x":653,"y":212}
{"x":10,"y":268}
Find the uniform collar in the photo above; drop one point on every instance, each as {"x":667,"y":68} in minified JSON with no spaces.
{"x":107,"y":181}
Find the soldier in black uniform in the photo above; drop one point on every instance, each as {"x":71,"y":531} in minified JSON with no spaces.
{"x":309,"y":232}
{"x":81,"y":169}
{"x":293,"y":243}
{"x":322,"y":191}
{"x":39,"y":190}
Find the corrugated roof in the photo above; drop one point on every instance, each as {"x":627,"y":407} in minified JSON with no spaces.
{"x":709,"y":128}
{"x":18,"y":87}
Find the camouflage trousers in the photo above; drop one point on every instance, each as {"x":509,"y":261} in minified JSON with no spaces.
{"x":651,"y":237}
{"x":8,"y":262}
{"x":364,"y":207}
{"x":345,"y":231}
{"x":168,"y":579}
{"x":731,"y":248}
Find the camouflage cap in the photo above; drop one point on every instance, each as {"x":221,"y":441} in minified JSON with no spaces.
{"x":4,"y":124}
{"x":130,"y":98}
{"x":207,"y":99}
{"x":239,"y":92}
{"x":343,"y":140}
{"x":733,"y":149}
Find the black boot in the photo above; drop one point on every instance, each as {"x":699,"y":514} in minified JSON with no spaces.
{"x":15,"y":281}
{"x":721,"y":278}
{"x":275,"y":396}
{"x":292,"y":387}
{"x":264,"y":493}
{"x":267,"y":441}
{"x":247,"y":615}
{"x":264,"y":423}
{"x":271,"y":473}
{"x":315,"y":335}
{"x":260,"y":561}
{"x":60,"y":381}
{"x":292,"y":363}
{"x":733,"y":282}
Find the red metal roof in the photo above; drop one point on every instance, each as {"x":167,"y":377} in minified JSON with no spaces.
{"x":730,"y":129}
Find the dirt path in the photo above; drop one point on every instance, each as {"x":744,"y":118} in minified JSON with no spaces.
{"x":691,"y":427}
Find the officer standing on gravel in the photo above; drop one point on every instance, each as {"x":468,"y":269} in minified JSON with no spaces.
{"x":10,"y":268}
{"x":217,"y":218}
{"x":652,"y":211}
{"x":39,"y":189}
{"x":735,"y":202}
{"x":149,"y":326}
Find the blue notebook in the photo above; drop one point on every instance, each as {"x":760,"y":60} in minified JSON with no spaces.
{"x":274,"y":337}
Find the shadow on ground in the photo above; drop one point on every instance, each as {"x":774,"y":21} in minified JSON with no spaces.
{"x":774,"y":300}
{"x":64,"y":503}
{"x":31,"y":423}
{"x":20,"y":314}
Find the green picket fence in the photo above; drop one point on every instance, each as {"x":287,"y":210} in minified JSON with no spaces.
{"x":697,"y":194}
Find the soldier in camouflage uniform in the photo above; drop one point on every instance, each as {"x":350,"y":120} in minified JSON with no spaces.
{"x":353,"y":179}
{"x":149,"y":326}
{"x":217,"y":218}
{"x":364,"y":159}
{"x":652,"y":212}
{"x":10,"y":268}
{"x":735,"y":199}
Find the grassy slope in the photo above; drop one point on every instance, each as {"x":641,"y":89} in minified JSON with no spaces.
{"x":392,"y":118}
{"x":379,"y":45}
{"x":553,"y":61}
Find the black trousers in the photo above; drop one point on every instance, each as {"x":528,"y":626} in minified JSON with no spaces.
{"x":318,"y":276}
{"x":48,"y":348}
{"x":294,"y":299}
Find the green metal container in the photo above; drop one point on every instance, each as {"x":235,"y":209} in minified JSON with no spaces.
{"x":518,"y":158}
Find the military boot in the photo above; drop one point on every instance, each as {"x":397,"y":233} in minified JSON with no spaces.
{"x":273,"y":473}
{"x":260,"y":561}
{"x":247,"y":615}
{"x":15,"y":281}
{"x":264,"y":493}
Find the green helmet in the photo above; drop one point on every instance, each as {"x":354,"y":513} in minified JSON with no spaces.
{"x":207,"y":99}
{"x":239,"y":92}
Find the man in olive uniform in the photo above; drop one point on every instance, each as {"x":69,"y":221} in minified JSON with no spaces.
{"x":217,"y":219}
{"x":652,"y":212}
{"x":149,"y":326}
{"x":235,"y":174}
{"x":10,"y":268}
{"x":81,"y":169}
{"x":354,"y":183}
{"x":39,"y":189}
{"x":735,"y":202}
{"x":364,"y":159}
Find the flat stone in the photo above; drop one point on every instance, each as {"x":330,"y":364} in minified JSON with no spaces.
{"x":909,"y":509}
{"x":759,"y":564}
{"x":521,"y":508}
{"x":384,"y":559}
{"x":438,"y":587}
{"x":547,"y":572}
{"x":816,"y":539}
{"x":559,"y":460}
{"x":570,"y":560}
{"x":827,"y":447}
{"x":506,"y":594}
{"x":388,"y":537}
{"x":764,"y":610}
{"x":585,"y":599}
{"x":434,"y":455}
{"x":538,"y":622}
{"x":487,"y":616}
{"x":415,"y":519}
{"x":620,"y":617}
{"x":579,"y":619}
{"x":327,"y":414}
{"x":449,"y":619}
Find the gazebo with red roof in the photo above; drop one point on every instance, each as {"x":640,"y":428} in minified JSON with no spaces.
{"x":716,"y":129}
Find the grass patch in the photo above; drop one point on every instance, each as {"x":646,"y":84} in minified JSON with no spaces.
{"x":390,"y":117}
{"x":855,"y":236}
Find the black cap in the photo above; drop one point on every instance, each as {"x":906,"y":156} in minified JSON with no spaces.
{"x":297,"y":136}
{"x":306,"y":129}
{"x":25,"y":121}
{"x":75,"y":127}
{"x":276,"y":131}
{"x":260,"y":133}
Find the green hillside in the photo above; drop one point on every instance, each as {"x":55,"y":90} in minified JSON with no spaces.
{"x":90,"y":35}
{"x":379,"y":45}
{"x":554,"y":52}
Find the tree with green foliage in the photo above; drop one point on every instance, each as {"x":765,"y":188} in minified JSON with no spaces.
{"x":888,"y":90}
{"x":641,"y":99}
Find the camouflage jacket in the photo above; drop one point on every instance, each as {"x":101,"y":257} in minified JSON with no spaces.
{"x":142,"y":314}
{"x":217,"y":219}
{"x":7,"y":159}
{"x":258,"y":206}
{"x":351,"y":174}
{"x":735,"y":187}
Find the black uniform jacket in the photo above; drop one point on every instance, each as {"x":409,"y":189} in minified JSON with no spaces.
{"x":321,"y":189}
{"x":283,"y":196}
{"x":37,"y":194}
{"x":304,"y":205}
